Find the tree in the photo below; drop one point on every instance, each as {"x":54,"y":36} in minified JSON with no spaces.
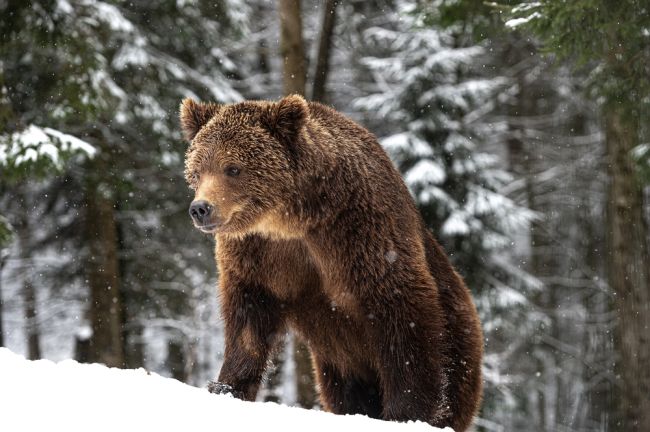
{"x":34,"y":153}
{"x":294,"y":74}
{"x":612,"y":38}
{"x":113,"y":73}
{"x":324,"y":49}
{"x":554,"y":144}
{"x":27,"y":152}
{"x":3,"y":258}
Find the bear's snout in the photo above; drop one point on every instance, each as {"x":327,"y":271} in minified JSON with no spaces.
{"x":201,"y":212}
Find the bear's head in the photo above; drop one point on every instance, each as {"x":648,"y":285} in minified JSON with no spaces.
{"x":241,"y":162}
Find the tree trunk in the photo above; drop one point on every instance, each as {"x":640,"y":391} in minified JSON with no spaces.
{"x":522,"y":162}
{"x":176,"y":360}
{"x":294,"y":77}
{"x":629,"y":265}
{"x":132,"y":306}
{"x":29,"y":295}
{"x":134,"y":346}
{"x":596,"y":337}
{"x":274,"y":378}
{"x":82,"y":348}
{"x":31,"y":318}
{"x":291,"y":47}
{"x":263,"y":57}
{"x":305,"y":386}
{"x":6,"y":119}
{"x":103,"y":278}
{"x":324,"y":48}
{"x":2,"y":264}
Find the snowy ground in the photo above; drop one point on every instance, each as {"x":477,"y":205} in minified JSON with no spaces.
{"x":68,"y":396}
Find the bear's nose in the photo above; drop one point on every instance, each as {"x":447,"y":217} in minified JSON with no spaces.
{"x":200,"y":211}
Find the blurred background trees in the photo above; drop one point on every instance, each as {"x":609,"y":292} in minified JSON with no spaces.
{"x":521,"y":129}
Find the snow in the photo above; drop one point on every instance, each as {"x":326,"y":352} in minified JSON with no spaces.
{"x":112,"y":16}
{"x":448,"y":59}
{"x":140,"y":55}
{"x":132,"y":54}
{"x":34,"y":143}
{"x":523,"y":7}
{"x":84,"y":332}
{"x":641,"y":150}
{"x":71,"y":143}
{"x":456,"y":224}
{"x":425,"y":172}
{"x":43,"y":395}
{"x":406,"y":142}
{"x":64,"y":6}
{"x":516,"y":22}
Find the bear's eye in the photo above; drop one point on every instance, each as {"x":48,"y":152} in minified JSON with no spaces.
{"x":232,"y":171}
{"x":195,"y":177}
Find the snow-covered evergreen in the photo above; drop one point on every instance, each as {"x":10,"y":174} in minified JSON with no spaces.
{"x":436,"y":110}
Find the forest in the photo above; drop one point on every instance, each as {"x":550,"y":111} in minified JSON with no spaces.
{"x":521,"y":127}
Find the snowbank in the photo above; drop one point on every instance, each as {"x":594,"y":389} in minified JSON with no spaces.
{"x":69,"y":396}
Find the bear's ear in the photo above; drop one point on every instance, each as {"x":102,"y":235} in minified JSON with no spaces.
{"x":285,"y":118}
{"x":194,"y":115}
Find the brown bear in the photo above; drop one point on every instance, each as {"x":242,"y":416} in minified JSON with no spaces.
{"x":316,"y":231}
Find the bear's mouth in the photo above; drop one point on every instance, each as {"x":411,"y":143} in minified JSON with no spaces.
{"x":209,"y":228}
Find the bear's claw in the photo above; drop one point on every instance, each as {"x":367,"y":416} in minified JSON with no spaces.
{"x":221,"y":388}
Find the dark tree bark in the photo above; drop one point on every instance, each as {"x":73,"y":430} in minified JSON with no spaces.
{"x":597,"y":339}
{"x":629,"y":267}
{"x":82,"y":348}
{"x":274,"y":375}
{"x":291,"y":47}
{"x":324,"y":48}
{"x":305,"y":385}
{"x":29,"y":294}
{"x":31,"y":318}
{"x":176,"y":360}
{"x":134,"y":355}
{"x":105,"y":314}
{"x":132,"y":305}
{"x":2,"y":264}
{"x":263,"y":56}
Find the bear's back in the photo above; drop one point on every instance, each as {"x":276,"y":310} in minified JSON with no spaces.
{"x":368,"y":165}
{"x":346,"y":132}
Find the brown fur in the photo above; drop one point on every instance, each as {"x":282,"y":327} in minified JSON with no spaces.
{"x":317,"y":232}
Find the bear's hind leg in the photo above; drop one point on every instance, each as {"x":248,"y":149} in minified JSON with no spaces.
{"x":348,"y":394}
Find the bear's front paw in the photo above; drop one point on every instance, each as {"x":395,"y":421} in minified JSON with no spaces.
{"x":221,"y":388}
